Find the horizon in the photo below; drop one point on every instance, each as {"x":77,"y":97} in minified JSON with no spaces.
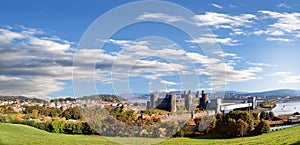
{"x":48,"y":49}
{"x":64,"y":97}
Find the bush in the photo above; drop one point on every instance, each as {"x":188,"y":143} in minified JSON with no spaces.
{"x":58,"y":126}
{"x":262,"y":127}
{"x":234,"y":124}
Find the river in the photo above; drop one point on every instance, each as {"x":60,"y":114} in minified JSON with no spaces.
{"x":286,"y":108}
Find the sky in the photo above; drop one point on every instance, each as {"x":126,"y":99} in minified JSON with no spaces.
{"x":67,"y":48}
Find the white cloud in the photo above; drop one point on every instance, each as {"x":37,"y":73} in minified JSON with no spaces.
{"x":279,"y":39}
{"x":181,"y":62}
{"x":34,"y":86}
{"x":283,"y":5}
{"x":226,"y":54}
{"x":287,"y":22}
{"x":237,"y":32}
{"x":269,"y":32}
{"x":258,"y":64}
{"x":33,"y":66}
{"x":6,"y":36}
{"x":168,"y":82}
{"x":287,"y":77}
{"x":36,"y":66}
{"x":160,"y":16}
{"x":223,"y":20}
{"x":198,"y":58}
{"x":211,"y":40}
{"x":217,"y":6}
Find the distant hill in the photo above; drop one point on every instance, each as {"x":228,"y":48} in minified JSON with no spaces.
{"x":103,"y":97}
{"x":231,"y":92}
{"x":281,"y":92}
{"x":21,"y":98}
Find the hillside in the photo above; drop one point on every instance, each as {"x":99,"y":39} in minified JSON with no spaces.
{"x":282,"y":92}
{"x":104,"y":97}
{"x":21,"y":98}
{"x":30,"y":135}
{"x":17,"y":134}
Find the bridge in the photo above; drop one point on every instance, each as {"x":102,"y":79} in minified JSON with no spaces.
{"x":276,"y":128}
{"x":229,"y":106}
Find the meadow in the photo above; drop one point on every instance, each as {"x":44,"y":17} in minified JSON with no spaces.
{"x":17,"y":134}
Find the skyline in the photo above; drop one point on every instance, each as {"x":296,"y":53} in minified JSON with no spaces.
{"x":258,"y":43}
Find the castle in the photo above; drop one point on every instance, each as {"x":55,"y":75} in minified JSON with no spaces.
{"x":177,"y":102}
{"x":173,"y":102}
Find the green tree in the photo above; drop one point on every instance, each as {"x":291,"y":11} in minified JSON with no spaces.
{"x":271,"y":115}
{"x":243,"y":115}
{"x":58,"y":126}
{"x":263,"y":115}
{"x":71,"y":113}
{"x":262,"y":127}
{"x":241,"y":127}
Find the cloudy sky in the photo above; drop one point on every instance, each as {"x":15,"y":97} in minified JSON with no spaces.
{"x":219,"y":45}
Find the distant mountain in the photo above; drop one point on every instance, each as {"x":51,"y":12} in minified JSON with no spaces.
{"x":231,"y":92}
{"x":22,"y":98}
{"x":104,"y":97}
{"x":281,"y":92}
{"x":135,"y":97}
{"x":131,"y":95}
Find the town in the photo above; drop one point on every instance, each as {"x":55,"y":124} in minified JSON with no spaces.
{"x":186,"y":108}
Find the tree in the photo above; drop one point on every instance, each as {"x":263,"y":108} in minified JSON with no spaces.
{"x":71,"y":113}
{"x":243,"y":115}
{"x":58,"y":126}
{"x":271,"y":115}
{"x":262,"y":127}
{"x":241,"y":127}
{"x":255,"y":115}
{"x":35,"y":113}
{"x":263,"y":115}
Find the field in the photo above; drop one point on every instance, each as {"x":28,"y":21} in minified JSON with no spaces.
{"x":16,"y":134}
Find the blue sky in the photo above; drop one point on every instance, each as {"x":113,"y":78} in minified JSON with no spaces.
{"x":254,"y":47}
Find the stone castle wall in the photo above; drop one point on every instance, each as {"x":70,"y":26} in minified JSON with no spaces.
{"x":172,"y":103}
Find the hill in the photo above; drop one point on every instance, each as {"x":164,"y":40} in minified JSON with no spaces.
{"x":282,"y":92}
{"x":21,"y":98}
{"x":30,"y":135}
{"x":103,"y":97}
{"x":17,"y":134}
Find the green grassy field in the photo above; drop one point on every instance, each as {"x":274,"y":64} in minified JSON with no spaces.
{"x":13,"y":134}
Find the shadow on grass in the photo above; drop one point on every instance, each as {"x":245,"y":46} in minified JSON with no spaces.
{"x":296,"y":143}
{"x":215,"y":136}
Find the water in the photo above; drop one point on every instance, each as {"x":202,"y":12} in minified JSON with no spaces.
{"x":286,"y":108}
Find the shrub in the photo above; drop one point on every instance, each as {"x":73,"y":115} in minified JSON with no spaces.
{"x":262,"y":127}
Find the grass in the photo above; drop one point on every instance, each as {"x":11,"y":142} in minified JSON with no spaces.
{"x":16,"y":134}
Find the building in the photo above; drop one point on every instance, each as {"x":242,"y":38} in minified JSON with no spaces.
{"x":178,"y":102}
{"x":173,"y":102}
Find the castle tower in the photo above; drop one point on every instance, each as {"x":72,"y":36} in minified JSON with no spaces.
{"x":198,"y":94}
{"x":188,"y":101}
{"x":148,"y":106}
{"x":173,"y":103}
{"x":203,"y":100}
{"x":183,"y":95}
{"x":153,"y":100}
